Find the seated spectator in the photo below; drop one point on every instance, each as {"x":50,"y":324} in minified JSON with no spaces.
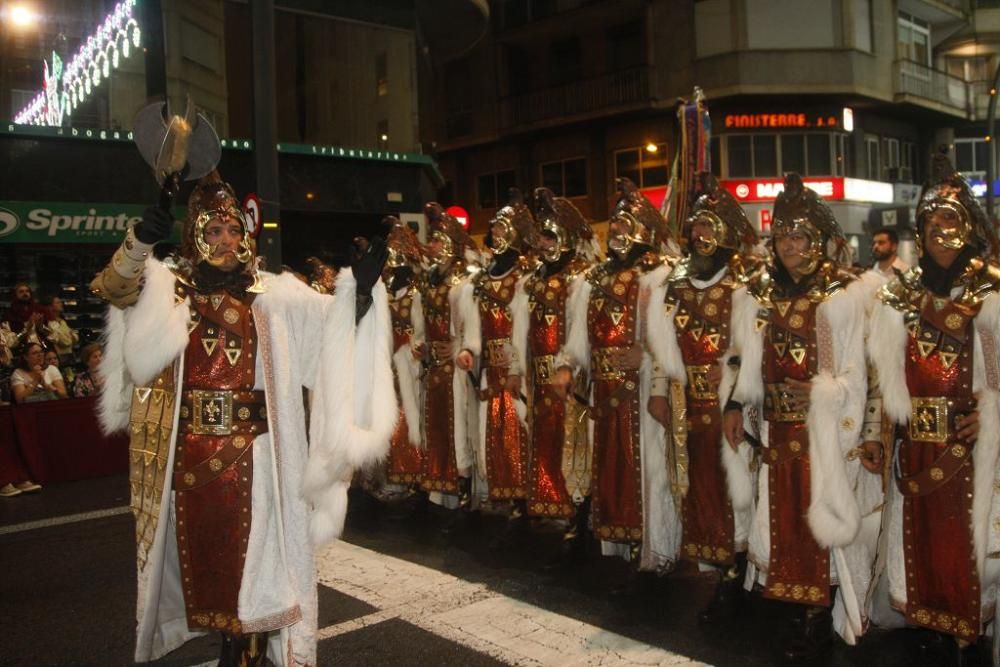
{"x":90,"y":381}
{"x":8,"y":341}
{"x":63,"y":337}
{"x":53,"y":359}
{"x":25,"y":315}
{"x":32,"y":381}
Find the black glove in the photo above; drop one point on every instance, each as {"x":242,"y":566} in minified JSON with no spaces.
{"x":156,"y":225}
{"x":367,"y":262}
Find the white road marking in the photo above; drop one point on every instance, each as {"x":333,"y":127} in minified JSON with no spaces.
{"x":473,"y":615}
{"x":62,"y":520}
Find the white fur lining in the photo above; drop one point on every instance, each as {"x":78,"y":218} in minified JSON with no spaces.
{"x":354,"y":412}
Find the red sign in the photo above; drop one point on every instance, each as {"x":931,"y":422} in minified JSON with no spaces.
{"x":755,"y":121}
{"x":460,"y":214}
{"x":764,"y":218}
{"x":767,"y":189}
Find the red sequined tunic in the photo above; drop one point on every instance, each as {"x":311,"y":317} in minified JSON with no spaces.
{"x":935,"y":473}
{"x":440,"y":471}
{"x":406,"y":461}
{"x":612,"y":319}
{"x":798,"y":568}
{"x":547,"y":491}
{"x":220,"y":415}
{"x":506,"y":439}
{"x":701,"y":319}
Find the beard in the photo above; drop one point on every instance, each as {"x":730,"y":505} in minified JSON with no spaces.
{"x":211,"y":278}
{"x":881,"y":255}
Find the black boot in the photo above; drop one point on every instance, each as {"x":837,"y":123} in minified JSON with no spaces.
{"x":730,"y":598}
{"x":229,"y":653}
{"x":461,"y":518}
{"x":517,"y":524}
{"x":811,"y":635}
{"x":936,"y":648}
{"x":573,"y":548}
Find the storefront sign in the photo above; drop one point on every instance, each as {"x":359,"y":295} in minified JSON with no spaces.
{"x":69,"y":222}
{"x":780,"y":121}
{"x":828,"y":187}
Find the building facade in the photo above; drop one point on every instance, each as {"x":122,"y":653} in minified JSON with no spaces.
{"x":853,"y":94}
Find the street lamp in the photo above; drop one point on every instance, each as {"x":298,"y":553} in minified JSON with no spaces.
{"x":21,"y":16}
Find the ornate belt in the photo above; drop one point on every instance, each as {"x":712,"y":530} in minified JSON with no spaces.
{"x":784,"y":451}
{"x":777,"y":407}
{"x":440,"y":353}
{"x":606,"y":363}
{"x":932,"y":417}
{"x":545,"y":368}
{"x":698,"y":385}
{"x":223,"y":412}
{"x":497,"y":353}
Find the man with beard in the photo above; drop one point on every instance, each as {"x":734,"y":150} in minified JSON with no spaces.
{"x":559,"y":471}
{"x":448,"y":462}
{"x":404,"y":468}
{"x":803,"y":369}
{"x":933,"y":341}
{"x":885,"y":243}
{"x":501,"y":441}
{"x":25,"y":316}
{"x":633,"y":512}
{"x":205,"y":362}
{"x":695,"y":339}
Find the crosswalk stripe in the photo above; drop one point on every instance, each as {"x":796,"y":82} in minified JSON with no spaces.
{"x":474,"y":615}
{"x":62,"y":520}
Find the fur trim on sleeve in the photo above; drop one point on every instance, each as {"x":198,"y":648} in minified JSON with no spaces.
{"x":749,"y":386}
{"x":116,"y":395}
{"x":577,"y":347}
{"x":833,"y":513}
{"x":887,"y":350}
{"x":522,"y":322}
{"x":354,"y":409}
{"x":661,"y":334}
{"x":156,"y":327}
{"x":472,"y":336}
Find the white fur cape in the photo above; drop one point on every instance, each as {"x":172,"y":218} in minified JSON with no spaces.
{"x":408,"y":373}
{"x":887,"y":344}
{"x":304,"y":340}
{"x":661,"y":517}
{"x":661,"y":339}
{"x":843,"y":512}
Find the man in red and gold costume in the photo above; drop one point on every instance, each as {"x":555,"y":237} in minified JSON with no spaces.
{"x":448,"y":462}
{"x":405,"y":463}
{"x":803,"y":370}
{"x":560,"y":466}
{"x":633,"y":512}
{"x":205,"y":362}
{"x":501,"y":441}
{"x":933,"y":341}
{"x":695,"y":340}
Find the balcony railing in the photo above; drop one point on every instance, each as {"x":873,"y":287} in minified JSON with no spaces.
{"x":609,"y":91}
{"x":933,"y":85}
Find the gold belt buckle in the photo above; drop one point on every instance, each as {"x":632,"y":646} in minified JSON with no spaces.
{"x":776,"y":407}
{"x":212,"y":412}
{"x":929,"y":419}
{"x":603,"y":364}
{"x":497,"y":352}
{"x":698,"y":384}
{"x":545,"y":367}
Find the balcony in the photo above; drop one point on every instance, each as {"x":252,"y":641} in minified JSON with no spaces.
{"x":573,"y":101}
{"x":931,"y":88}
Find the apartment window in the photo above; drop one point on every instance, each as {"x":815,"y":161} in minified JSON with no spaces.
{"x":913,"y":39}
{"x":626,"y":46}
{"x":973,"y":69}
{"x":381,"y":75}
{"x":492,"y":188}
{"x":873,"y":158}
{"x":906,"y":161}
{"x":566,"y":178}
{"x":564,"y":61}
{"x":971,"y":155}
{"x":643,"y":168}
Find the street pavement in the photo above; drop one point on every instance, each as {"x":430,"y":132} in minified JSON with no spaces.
{"x":395,"y":591}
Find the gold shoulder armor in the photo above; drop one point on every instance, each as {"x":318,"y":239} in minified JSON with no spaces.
{"x":759,"y":286}
{"x":901,"y":292}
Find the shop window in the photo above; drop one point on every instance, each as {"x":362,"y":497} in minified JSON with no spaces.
{"x":566,"y":178}
{"x":906,"y":162}
{"x":492,"y":188}
{"x":818,"y":155}
{"x":793,"y":153}
{"x":381,"y":74}
{"x":971,"y":155}
{"x":765,"y":155}
{"x":739,"y":156}
{"x":841,"y":157}
{"x":644,"y":168}
{"x":873,"y":158}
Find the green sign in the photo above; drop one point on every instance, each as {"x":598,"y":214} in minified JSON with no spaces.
{"x":70,"y":222}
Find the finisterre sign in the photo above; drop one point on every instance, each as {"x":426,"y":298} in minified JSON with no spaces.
{"x":68,"y":222}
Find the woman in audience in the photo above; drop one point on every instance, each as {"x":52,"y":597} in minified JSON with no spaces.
{"x":32,"y":380}
{"x":89,"y":381}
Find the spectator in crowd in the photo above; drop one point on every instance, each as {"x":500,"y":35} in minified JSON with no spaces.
{"x":8,"y":340}
{"x":24,"y":312}
{"x":90,"y":381}
{"x":14,"y":478}
{"x":32,"y":380}
{"x":62,"y":336}
{"x":885,"y":244}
